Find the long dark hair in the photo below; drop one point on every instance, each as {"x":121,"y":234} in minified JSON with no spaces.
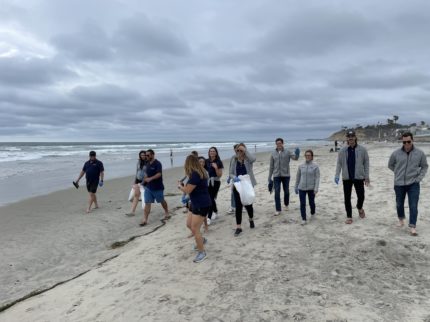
{"x":141,"y":162}
{"x":217,"y":158}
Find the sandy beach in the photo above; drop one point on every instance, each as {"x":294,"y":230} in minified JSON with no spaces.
{"x":280,"y":271}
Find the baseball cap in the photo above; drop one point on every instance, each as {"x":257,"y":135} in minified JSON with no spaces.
{"x":92,"y":153}
{"x":350,"y":132}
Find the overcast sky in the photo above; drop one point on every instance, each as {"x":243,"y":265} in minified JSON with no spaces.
{"x":98,"y":70}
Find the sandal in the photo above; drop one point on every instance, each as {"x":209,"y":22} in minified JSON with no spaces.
{"x":361,"y":213}
{"x":143,"y":224}
{"x":348,"y":221}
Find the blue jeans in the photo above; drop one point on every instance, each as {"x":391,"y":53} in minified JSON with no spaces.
{"x":311,"y":198}
{"x":285,"y":185}
{"x":413,"y":192}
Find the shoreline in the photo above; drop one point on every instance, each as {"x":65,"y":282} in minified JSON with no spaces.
{"x":29,"y":228}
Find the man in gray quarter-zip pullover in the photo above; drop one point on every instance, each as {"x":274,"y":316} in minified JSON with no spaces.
{"x":353,"y":161}
{"x":409,"y":165}
{"x":280,"y":169}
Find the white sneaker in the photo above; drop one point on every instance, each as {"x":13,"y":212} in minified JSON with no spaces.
{"x":214,"y":215}
{"x":208,"y":221}
{"x":303,"y":222}
{"x":286,"y":208}
{"x":231,"y":211}
{"x":277,"y":213}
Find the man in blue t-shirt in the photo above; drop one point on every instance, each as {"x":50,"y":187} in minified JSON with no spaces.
{"x":94,"y":174}
{"x":154,"y":188}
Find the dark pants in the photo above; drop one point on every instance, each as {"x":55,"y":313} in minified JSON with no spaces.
{"x":311,"y":198}
{"x":213,"y":193}
{"x":413,"y":192}
{"x":347,"y":190}
{"x":285,"y":185}
{"x":239,"y":208}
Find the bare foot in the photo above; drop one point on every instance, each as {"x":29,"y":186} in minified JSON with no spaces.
{"x":401,"y":223}
{"x":88,"y":210}
{"x":96,"y":207}
{"x":206,"y":229}
{"x":414,"y":232}
{"x":348,"y":221}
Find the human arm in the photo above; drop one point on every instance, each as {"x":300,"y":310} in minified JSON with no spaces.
{"x":392,"y":162}
{"x":366,"y":168}
{"x":423,"y":167}
{"x":317,"y":180}
{"x":187,"y":189}
{"x":295,"y":155}
{"x":271,"y":165}
{"x":81,"y":174}
{"x":338,"y":167}
{"x":298,"y":175}
{"x":155,"y":176}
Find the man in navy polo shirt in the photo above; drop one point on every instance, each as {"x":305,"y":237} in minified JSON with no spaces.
{"x":154,"y":188}
{"x":94,"y":173}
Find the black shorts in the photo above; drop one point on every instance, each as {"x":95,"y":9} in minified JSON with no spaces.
{"x":203,"y":211}
{"x":92,"y":186}
{"x":137,"y":181}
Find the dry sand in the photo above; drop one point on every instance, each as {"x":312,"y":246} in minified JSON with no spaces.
{"x":280,"y":271}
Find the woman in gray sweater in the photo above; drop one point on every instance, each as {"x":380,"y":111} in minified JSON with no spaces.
{"x":241,"y":164}
{"x":307,"y":183}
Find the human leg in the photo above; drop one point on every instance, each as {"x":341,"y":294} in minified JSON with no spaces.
{"x":400,"y":203}
{"x":239,"y":208}
{"x":302,"y":197}
{"x":286,"y":186}
{"x":347,"y":189}
{"x":277,"y":188}
{"x":413,"y":198}
{"x":311,"y":198}
{"x":359,"y":190}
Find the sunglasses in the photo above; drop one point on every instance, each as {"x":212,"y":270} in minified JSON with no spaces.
{"x":407,"y":142}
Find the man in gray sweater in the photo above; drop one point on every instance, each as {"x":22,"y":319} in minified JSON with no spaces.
{"x":353,"y":161}
{"x":409,"y":165}
{"x":280,"y":169}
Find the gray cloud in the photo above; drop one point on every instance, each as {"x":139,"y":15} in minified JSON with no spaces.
{"x":141,"y":37}
{"x":100,"y":70}
{"x":32,"y":72}
{"x":90,"y":43}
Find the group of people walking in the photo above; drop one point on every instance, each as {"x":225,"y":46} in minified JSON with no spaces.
{"x":202,"y":182}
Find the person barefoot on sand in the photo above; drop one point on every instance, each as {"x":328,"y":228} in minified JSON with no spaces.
{"x":197,"y":188}
{"x":409,"y":165}
{"x":137,"y":186}
{"x":154,"y":189}
{"x":94,"y":174}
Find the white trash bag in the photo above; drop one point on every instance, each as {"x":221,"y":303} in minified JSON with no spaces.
{"x":131,"y":195}
{"x":245,"y":189}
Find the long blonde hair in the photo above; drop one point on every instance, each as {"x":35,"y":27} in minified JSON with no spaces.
{"x":192,"y":164}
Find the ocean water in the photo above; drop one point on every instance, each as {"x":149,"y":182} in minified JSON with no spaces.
{"x":31,"y":169}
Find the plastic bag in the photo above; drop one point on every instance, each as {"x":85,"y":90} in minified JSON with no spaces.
{"x":245,"y":189}
{"x":131,"y":195}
